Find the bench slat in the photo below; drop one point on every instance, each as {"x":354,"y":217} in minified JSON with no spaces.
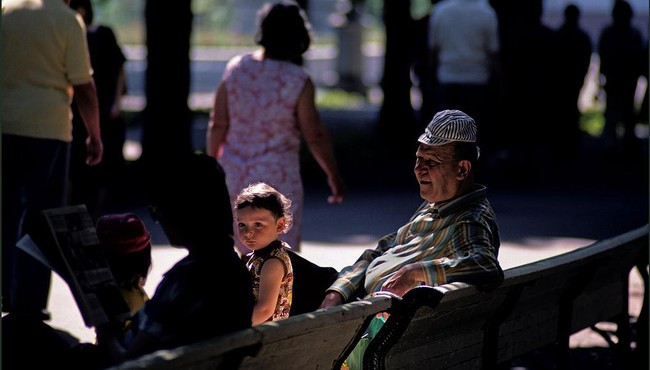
{"x":314,"y":340}
{"x":222,"y":352}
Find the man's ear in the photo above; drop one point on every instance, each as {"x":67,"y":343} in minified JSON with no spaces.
{"x":464,"y":167}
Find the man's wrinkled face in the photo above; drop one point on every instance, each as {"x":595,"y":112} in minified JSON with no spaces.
{"x":436,"y":171}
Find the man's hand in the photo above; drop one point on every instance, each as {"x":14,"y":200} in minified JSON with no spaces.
{"x":332,"y":299}
{"x":404,"y":279}
{"x":94,"y":151}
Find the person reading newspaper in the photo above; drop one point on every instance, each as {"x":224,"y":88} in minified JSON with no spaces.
{"x":116,"y":253}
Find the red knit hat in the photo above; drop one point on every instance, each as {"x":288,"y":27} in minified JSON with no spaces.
{"x":122,"y":233}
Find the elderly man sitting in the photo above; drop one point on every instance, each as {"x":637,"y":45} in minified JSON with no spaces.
{"x":453,"y":235}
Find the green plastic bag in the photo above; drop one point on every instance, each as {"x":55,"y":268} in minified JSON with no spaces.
{"x":355,"y":359}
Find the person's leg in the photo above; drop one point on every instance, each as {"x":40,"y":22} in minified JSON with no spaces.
{"x":615,"y":106}
{"x":41,"y":167}
{"x":630,"y":142}
{"x":12,"y":212}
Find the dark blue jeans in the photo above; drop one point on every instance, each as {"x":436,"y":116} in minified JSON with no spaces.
{"x":34,"y":177}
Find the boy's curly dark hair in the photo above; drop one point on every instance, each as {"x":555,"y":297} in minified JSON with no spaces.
{"x":263,"y":196}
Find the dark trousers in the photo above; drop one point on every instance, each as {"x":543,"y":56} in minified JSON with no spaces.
{"x":620,"y":109}
{"x":34,"y":176}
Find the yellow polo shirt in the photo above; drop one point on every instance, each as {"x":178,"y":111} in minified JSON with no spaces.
{"x":44,"y":53}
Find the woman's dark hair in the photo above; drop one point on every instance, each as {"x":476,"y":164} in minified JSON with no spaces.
{"x":188,"y":192}
{"x":283,"y":30}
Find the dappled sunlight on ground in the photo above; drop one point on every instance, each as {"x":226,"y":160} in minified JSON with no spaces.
{"x":534,"y":248}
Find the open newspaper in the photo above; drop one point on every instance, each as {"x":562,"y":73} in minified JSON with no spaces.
{"x":78,"y":257}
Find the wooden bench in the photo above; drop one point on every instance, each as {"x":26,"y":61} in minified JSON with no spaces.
{"x":316,"y":340}
{"x":452,"y":326}
{"x":457,"y":326}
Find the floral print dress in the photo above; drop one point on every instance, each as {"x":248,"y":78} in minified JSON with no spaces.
{"x":263,"y":140}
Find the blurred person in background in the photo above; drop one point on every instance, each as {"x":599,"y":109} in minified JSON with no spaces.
{"x":92,"y":186}
{"x":574,"y":48}
{"x":464,"y":46}
{"x":263,"y":107}
{"x":621,"y":50}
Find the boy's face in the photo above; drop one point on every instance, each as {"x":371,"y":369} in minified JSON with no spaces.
{"x":258,"y":227}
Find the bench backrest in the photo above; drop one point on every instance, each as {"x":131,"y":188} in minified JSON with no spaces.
{"x":453,"y":326}
{"x":442,"y":326}
{"x":457,"y":326}
{"x":224,"y":352}
{"x":316,"y":340}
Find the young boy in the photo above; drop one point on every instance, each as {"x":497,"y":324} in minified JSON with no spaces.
{"x":262,"y":215}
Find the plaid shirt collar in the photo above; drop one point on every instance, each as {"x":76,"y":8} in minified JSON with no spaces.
{"x":447,"y":207}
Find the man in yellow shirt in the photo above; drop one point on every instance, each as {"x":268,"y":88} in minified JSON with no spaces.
{"x":45,"y":64}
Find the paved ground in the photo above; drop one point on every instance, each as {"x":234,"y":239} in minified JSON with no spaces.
{"x":551,"y":210}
